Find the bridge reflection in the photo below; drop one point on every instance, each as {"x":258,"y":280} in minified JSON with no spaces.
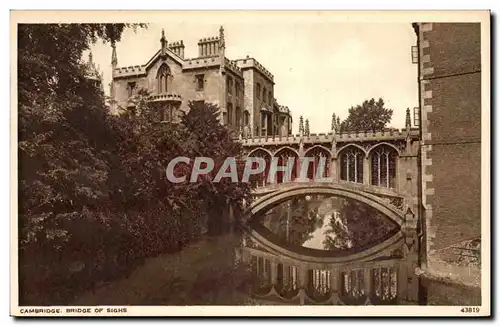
{"x":325,"y":249}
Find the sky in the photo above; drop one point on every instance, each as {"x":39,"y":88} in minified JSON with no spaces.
{"x":320,"y":66}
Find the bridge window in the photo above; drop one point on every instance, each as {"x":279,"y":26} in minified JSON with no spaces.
{"x":351,"y":164}
{"x":283,"y":157}
{"x":161,"y":77}
{"x":319,"y":154}
{"x":353,"y":286}
{"x":384,"y":284}
{"x":261,"y":178}
{"x":287,"y":280}
{"x":320,"y":281}
{"x":383,"y":166}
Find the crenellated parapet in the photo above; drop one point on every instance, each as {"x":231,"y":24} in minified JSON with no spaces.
{"x":249,"y":63}
{"x":130,"y":71}
{"x":196,"y":63}
{"x":327,"y":138}
{"x":233,"y":66}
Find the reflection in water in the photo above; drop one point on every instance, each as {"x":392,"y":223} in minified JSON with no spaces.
{"x":327,"y":223}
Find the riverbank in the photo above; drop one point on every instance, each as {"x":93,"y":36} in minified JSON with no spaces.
{"x":203,"y":273}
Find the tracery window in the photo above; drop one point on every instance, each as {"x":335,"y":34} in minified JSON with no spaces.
{"x":383,"y":166}
{"x":352,"y":286}
{"x":238,"y":118}
{"x":384,"y":284}
{"x":162,"y":77}
{"x":230,"y":113}
{"x":351,"y":161}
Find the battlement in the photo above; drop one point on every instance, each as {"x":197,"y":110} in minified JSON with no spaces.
{"x":233,"y":67}
{"x":252,"y":63}
{"x":281,"y":108}
{"x":313,"y":138}
{"x":177,"y":48}
{"x":195,"y":63}
{"x":130,"y":71}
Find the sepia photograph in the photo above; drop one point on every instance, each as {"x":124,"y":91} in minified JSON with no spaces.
{"x":250,"y":163}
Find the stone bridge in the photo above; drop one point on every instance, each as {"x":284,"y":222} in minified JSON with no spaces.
{"x":378,"y":169}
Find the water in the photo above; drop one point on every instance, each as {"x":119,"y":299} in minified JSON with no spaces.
{"x":324,"y":224}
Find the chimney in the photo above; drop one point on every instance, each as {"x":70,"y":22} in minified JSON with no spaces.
{"x":208,"y":47}
{"x":177,"y":48}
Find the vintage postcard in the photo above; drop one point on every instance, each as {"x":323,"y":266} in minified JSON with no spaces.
{"x":250,"y":163}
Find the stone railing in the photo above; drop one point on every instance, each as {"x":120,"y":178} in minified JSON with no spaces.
{"x":173,"y":98}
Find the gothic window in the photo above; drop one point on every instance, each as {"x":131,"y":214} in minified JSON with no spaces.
{"x":229,"y":85}
{"x":131,"y":88}
{"x":162,"y":77}
{"x":246,"y":118}
{"x":224,"y":118}
{"x":264,"y":95}
{"x":351,"y":164}
{"x":200,"y":82}
{"x":258,"y":91}
{"x":237,"y":89}
{"x":383,"y":166}
{"x":384,"y":284}
{"x":270,"y":98}
{"x":238,"y":118}
{"x":353,"y":285}
{"x":320,"y":281}
{"x":230,"y":113}
{"x":321,"y":156}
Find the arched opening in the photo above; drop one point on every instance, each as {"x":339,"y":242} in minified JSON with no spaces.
{"x":260,"y":180}
{"x":351,"y":164}
{"x":246,"y":118}
{"x":383,"y":166}
{"x":162,"y":78}
{"x":238,"y":118}
{"x":284,"y":156}
{"x":321,"y":157}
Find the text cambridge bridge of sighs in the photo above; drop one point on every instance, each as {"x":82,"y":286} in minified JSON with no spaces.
{"x":293,"y":230}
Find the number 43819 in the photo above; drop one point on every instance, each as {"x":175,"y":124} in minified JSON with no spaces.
{"x":470,"y":309}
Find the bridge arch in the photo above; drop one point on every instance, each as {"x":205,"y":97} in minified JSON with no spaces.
{"x":276,"y":197}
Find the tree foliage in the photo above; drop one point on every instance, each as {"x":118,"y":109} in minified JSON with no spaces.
{"x":93,"y":197}
{"x":371,"y":115}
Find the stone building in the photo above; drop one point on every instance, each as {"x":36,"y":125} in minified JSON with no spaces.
{"x":242,"y":88}
{"x":449,"y":76}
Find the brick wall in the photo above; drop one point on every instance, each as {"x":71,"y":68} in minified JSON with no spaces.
{"x":450,"y":65}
